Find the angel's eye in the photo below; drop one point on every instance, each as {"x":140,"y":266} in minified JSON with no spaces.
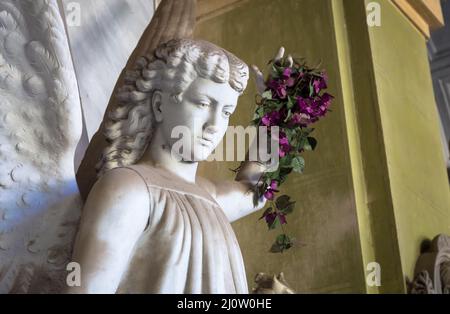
{"x":227,"y":113}
{"x":203,"y":105}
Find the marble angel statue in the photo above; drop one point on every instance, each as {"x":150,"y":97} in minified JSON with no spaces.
{"x":149,"y":224}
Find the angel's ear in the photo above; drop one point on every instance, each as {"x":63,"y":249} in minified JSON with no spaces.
{"x":156,"y":103}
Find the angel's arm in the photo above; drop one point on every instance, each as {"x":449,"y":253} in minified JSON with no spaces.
{"x":240,"y":198}
{"x":237,"y":198}
{"x":114,"y":216}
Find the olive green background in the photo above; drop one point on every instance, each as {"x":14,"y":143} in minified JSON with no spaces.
{"x":376,"y":185}
{"x":413,"y":149}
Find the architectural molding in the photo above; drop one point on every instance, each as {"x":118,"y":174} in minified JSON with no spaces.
{"x":432,"y":271}
{"x":426,"y":15}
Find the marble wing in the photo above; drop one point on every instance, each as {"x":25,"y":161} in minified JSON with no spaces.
{"x":40,"y":126}
{"x":172,"y":19}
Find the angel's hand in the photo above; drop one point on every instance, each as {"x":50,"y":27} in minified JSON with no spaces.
{"x":259,"y":78}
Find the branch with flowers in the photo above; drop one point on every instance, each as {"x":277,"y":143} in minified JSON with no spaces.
{"x":292,"y":98}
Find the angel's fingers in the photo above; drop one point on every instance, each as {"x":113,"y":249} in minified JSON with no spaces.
{"x":280,"y":54}
{"x":259,"y":78}
{"x":290,"y":61}
{"x":258,"y":73}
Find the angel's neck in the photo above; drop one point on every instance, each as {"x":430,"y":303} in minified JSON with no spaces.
{"x":158,"y":154}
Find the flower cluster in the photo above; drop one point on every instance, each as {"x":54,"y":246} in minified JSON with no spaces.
{"x":294,"y":99}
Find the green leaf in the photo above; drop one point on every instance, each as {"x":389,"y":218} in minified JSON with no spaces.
{"x":284,"y":204}
{"x":275,"y":71}
{"x":298,"y":164}
{"x":303,"y":141}
{"x":276,"y":248}
{"x":267,"y":94}
{"x":283,"y":239}
{"x":260,"y":111}
{"x":313,"y":142}
{"x":288,"y":209}
{"x":273,"y":175}
{"x":282,"y":242}
{"x":307,"y":146}
{"x":282,"y":201}
{"x":289,"y":115}
{"x":290,"y":133}
{"x":279,"y":105}
{"x":291,"y":102}
{"x":285,"y":161}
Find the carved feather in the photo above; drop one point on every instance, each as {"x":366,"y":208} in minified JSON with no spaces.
{"x":7,"y":21}
{"x":41,"y":59}
{"x":40,"y":125}
{"x":11,"y":9}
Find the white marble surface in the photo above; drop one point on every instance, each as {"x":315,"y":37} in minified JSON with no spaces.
{"x":40,"y":127}
{"x":108,"y":32}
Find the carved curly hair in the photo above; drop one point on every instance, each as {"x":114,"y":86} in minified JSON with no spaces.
{"x":173,"y":67}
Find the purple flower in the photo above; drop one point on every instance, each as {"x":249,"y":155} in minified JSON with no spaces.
{"x":266,"y":120}
{"x":322,"y":104}
{"x":282,"y":218}
{"x":287,"y":72}
{"x":285,"y":148}
{"x":270,"y":192}
{"x":271,"y":118}
{"x":290,"y":82}
{"x":284,"y":141}
{"x":320,"y":83}
{"x":299,"y":119}
{"x":278,"y":87}
{"x":326,"y":99}
{"x":270,"y":218}
{"x":314,"y":108}
{"x":304,"y":105}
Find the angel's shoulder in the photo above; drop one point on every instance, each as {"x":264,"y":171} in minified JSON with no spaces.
{"x":117,"y":202}
{"x":120,"y":185}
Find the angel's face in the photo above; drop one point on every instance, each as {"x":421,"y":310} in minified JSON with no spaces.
{"x":194,"y":127}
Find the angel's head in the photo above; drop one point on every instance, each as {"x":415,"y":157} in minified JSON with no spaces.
{"x":187,"y":83}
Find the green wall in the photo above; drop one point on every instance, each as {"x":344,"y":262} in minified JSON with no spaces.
{"x":410,"y":124}
{"x":376,"y":185}
{"x":367,"y":148}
